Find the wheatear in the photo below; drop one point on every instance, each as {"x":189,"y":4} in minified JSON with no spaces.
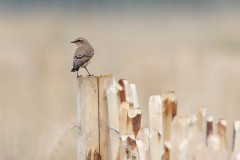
{"x":82,"y":55}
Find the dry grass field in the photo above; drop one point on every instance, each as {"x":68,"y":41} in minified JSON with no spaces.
{"x":196,"y":55}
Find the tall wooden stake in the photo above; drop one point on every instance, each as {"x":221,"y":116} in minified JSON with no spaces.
{"x":202,"y":120}
{"x":104,"y":83}
{"x":222,"y":132}
{"x":169,"y":112}
{"x":236,"y":137}
{"x":156,"y":127}
{"x":209,"y":127}
{"x":92,"y":115}
{"x":113,"y":114}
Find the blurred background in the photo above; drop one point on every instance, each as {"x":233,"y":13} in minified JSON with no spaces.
{"x":188,"y":46}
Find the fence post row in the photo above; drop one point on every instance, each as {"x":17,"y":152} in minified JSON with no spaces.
{"x":110,"y":126}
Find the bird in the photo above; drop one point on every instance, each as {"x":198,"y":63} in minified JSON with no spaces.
{"x":82,"y":55}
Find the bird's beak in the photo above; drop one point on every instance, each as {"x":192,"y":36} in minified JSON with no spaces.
{"x":73,"y":41}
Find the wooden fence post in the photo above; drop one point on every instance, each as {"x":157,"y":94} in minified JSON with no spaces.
{"x":156,"y":127}
{"x":169,"y":112}
{"x":104,"y":83}
{"x":179,"y":142}
{"x":209,"y":127}
{"x":222,"y":132}
{"x":113,"y":115}
{"x":236,"y":137}
{"x":92,"y":117}
{"x":109,"y":126}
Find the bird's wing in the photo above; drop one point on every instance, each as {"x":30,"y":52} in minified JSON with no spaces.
{"x":83,"y":51}
{"x":80,"y":58}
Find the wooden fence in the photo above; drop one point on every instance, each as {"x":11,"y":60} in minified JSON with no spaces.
{"x":110,"y":128}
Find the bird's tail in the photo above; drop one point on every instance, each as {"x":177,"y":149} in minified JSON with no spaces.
{"x":74,"y":70}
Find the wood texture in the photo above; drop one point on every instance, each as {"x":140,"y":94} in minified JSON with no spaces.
{"x":87,"y":114}
{"x":134,"y":117}
{"x":179,"y":142}
{"x":133,"y":94}
{"x":209,"y":127}
{"x":104,"y":82}
{"x":109,"y":122}
{"x":113,"y":114}
{"x":196,"y":138}
{"x":123,"y":93}
{"x":123,"y":117}
{"x":143,"y":144}
{"x":236,"y":137}
{"x":222,"y":132}
{"x":92,"y":114}
{"x":156,"y":127}
{"x":169,"y":112}
{"x":202,"y":119}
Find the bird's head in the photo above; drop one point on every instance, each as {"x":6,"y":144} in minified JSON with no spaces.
{"x":79,"y":41}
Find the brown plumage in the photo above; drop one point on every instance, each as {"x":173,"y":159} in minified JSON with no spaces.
{"x":82,"y":55}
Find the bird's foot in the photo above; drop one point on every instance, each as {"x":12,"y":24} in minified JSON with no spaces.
{"x":90,"y":75}
{"x":78,"y":76}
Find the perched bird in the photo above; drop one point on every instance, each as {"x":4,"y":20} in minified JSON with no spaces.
{"x":82,"y":55}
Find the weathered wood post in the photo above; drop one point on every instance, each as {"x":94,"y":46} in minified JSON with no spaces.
{"x":92,"y":116}
{"x":169,"y":112}
{"x":156,"y":127}
{"x":236,"y":137}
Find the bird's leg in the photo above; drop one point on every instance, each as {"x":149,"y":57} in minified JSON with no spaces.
{"x":88,"y":72}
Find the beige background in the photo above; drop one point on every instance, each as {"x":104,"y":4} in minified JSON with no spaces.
{"x":195,"y":54}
